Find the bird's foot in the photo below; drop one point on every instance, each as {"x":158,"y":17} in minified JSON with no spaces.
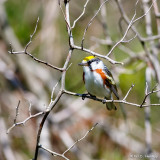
{"x":93,"y":97}
{"x":84,"y":96}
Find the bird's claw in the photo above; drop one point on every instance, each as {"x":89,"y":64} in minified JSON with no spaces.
{"x":93,"y":97}
{"x":84,"y":96}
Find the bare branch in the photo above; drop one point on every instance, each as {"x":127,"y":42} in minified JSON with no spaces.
{"x":53,"y":91}
{"x":68,"y":24}
{"x":115,"y":101}
{"x":126,"y":19}
{"x":69,"y":66}
{"x":11,"y":49}
{"x":84,"y":9}
{"x":97,"y":54}
{"x":127,"y":41}
{"x":17,"y":111}
{"x":53,"y":153}
{"x":31,"y":36}
{"x":126,"y":32}
{"x":37,"y":60}
{"x":151,"y":38}
{"x":30,"y":55}
{"x":63,"y":154}
{"x":90,"y":22}
{"x":148,"y":93}
{"x":23,"y":122}
{"x":124,"y":99}
{"x":80,"y":139}
{"x":144,"y":13}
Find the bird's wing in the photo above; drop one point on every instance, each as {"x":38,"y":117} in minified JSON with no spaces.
{"x":84,"y":77}
{"x":109,"y":82}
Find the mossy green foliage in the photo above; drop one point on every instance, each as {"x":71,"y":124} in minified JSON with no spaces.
{"x":18,"y":19}
{"x":19,"y":143}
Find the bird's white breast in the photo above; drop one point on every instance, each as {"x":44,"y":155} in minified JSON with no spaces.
{"x":94,"y":83}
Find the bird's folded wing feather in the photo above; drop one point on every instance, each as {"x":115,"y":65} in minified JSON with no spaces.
{"x":110,"y":82}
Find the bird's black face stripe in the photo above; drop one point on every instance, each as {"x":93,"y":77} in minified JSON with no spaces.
{"x":92,"y":60}
{"x":90,"y":67}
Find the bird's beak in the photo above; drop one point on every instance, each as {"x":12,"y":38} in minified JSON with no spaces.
{"x":83,"y":64}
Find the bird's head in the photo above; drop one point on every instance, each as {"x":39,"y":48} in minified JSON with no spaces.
{"x":92,"y":63}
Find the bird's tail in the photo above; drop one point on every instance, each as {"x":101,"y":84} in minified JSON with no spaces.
{"x":110,"y":106}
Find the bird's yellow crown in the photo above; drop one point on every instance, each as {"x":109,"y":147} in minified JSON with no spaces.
{"x":88,"y":58}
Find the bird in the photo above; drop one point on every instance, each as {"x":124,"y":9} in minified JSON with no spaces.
{"x":98,"y":80}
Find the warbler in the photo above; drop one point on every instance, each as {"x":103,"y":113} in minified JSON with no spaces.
{"x":98,"y":80}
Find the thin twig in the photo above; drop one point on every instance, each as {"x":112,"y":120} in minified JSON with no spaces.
{"x":68,"y":25}
{"x":126,"y":32}
{"x":114,"y":101}
{"x":37,"y":60}
{"x":126,"y":19}
{"x":97,"y":54}
{"x":17,"y":112}
{"x":30,"y":55}
{"x":80,"y":139}
{"x":90,"y":22}
{"x":148,"y":93}
{"x":144,"y":13}
{"x":127,"y":41}
{"x":31,"y":36}
{"x":53,"y":153}
{"x":11,"y":49}
{"x":53,"y":89}
{"x":63,"y":154}
{"x":23,"y":122}
{"x":69,"y":66}
{"x":84,"y":9}
{"x":124,"y":99}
